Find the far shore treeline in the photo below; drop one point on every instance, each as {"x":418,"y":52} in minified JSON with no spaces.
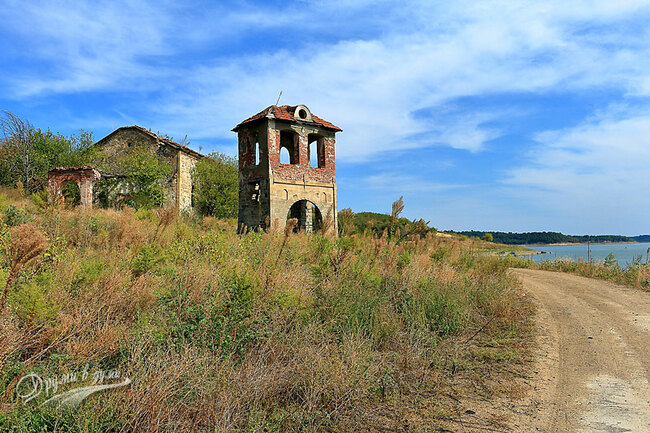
{"x":551,"y":237}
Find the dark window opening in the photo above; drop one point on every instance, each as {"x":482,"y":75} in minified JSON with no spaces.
{"x":302,"y":113}
{"x":316,"y":150}
{"x":288,"y":143}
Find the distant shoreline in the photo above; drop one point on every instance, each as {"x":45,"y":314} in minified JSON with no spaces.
{"x":565,"y":244}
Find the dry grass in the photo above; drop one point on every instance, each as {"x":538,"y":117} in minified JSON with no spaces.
{"x":258,"y":332}
{"x":26,"y":243}
{"x":636,"y":274}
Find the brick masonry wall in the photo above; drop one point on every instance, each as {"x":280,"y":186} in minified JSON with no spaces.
{"x":302,"y":170}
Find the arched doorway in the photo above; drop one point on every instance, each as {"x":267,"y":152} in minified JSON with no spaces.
{"x":308,"y":215}
{"x":70,"y":192}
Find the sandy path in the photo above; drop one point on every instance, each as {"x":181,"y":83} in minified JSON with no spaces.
{"x":593,"y":365}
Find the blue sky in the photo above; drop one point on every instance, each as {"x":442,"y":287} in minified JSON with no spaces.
{"x":487,"y":115}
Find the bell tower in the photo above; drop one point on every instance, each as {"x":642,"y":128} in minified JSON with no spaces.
{"x":287,"y":170}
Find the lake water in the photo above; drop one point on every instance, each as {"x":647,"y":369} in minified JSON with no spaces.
{"x":624,"y":253}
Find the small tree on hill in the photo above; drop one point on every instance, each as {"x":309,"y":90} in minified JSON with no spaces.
{"x":488,"y":237}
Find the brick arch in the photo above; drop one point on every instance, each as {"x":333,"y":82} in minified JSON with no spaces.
{"x":85,"y":178}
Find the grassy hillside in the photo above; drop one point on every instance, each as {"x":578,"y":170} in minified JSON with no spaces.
{"x":262,"y":332}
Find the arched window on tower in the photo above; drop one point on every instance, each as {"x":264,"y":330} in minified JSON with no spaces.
{"x":288,"y":147}
{"x":316,"y":150}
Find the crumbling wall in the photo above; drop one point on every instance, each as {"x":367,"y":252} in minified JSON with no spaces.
{"x":302,"y":170}
{"x":183,"y":193}
{"x":85,"y":177}
{"x":268,"y":190}
{"x":178,"y":186}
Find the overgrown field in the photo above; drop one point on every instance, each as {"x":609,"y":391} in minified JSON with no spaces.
{"x":256,"y":333}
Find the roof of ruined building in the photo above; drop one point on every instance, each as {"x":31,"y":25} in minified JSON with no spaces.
{"x":158,"y":138}
{"x":85,"y":170}
{"x":286,"y":112}
{"x":64,"y":169}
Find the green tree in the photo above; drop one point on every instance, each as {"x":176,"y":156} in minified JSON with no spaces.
{"x":27,"y":153}
{"x":216,"y":186}
{"x":610,"y":260}
{"x":488,"y":237}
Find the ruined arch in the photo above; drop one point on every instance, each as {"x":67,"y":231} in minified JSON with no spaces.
{"x":84,"y":178}
{"x":308,"y":214}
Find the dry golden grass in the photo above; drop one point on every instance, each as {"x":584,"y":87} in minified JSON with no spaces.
{"x":26,"y":243}
{"x":258,"y":332}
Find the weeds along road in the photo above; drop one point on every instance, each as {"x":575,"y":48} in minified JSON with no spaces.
{"x":592,"y":372}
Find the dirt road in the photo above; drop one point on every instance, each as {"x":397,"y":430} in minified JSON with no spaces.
{"x":593,"y":365}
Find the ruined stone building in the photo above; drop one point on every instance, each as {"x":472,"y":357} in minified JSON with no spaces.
{"x":178,"y":186}
{"x":287,"y":170}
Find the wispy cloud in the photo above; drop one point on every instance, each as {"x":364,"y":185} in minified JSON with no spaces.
{"x":384,"y":71}
{"x":372,"y":87}
{"x":371,"y":84}
{"x":596,"y":170}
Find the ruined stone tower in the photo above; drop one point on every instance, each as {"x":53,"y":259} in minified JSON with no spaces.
{"x":287,"y":170}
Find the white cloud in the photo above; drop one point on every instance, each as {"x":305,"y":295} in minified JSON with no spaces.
{"x":371,"y":88}
{"x":414,"y":55}
{"x":595,"y":174}
{"x":86,"y":46}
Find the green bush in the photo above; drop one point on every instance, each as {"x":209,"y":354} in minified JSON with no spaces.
{"x":440,"y":254}
{"x":13,"y":216}
{"x":39,"y":198}
{"x":216,"y":186}
{"x":227,"y":323}
{"x":89,"y":272}
{"x":33,"y":301}
{"x":146,"y":259}
{"x":437,"y":308}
